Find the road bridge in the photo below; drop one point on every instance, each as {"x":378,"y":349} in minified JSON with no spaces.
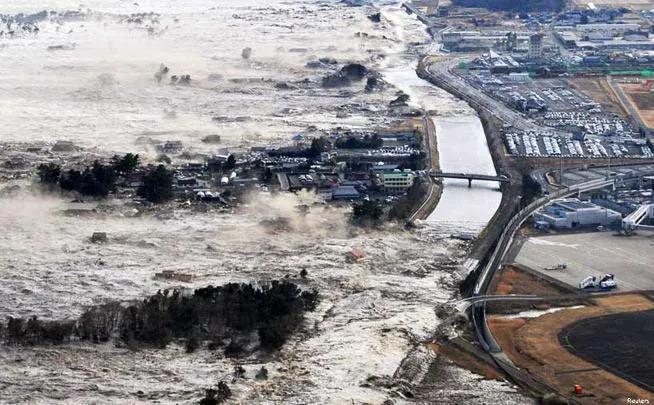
{"x":412,"y":9}
{"x":470,"y":177}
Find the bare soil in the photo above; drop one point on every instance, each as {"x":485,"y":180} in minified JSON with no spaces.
{"x":631,"y":4}
{"x":597,"y":89}
{"x":643,"y":101}
{"x":512,"y":280}
{"x":533,"y":345}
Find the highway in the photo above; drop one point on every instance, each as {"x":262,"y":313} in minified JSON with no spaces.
{"x":478,"y":309}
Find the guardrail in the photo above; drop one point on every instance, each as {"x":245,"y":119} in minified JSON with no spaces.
{"x":482,"y":332}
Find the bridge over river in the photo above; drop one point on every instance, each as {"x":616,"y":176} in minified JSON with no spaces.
{"x":470,"y":177}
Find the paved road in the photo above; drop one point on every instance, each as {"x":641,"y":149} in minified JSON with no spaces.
{"x":442,"y":72}
{"x":595,"y":253}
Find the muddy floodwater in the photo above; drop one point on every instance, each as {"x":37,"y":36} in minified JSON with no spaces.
{"x":88,"y":77}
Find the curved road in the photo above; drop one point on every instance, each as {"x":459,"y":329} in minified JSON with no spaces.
{"x":441,"y":73}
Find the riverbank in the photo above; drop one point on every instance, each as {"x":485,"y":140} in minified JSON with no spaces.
{"x":433,"y":195}
{"x":510,"y":193}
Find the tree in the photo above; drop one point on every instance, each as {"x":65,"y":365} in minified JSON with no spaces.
{"x":217,"y":396}
{"x":157,"y":185}
{"x":71,"y":181}
{"x":367,"y":213}
{"x":230,"y":164}
{"x":49,"y":173}
{"x":318,"y":146}
{"x":104,"y":177}
{"x":125,"y":165}
{"x":262,"y":374}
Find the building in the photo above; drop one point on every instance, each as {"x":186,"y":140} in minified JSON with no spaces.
{"x":480,"y":41}
{"x":641,"y":219}
{"x":607,"y":29}
{"x":571,"y":213}
{"x":568,"y":38}
{"x":397,"y":181}
{"x":535,"y":46}
{"x":345,"y":193}
{"x":518,"y":77}
{"x":172,"y":147}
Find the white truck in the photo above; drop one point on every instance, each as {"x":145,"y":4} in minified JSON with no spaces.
{"x":605,"y":283}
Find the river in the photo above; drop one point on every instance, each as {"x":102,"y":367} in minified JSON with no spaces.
{"x":462,"y":145}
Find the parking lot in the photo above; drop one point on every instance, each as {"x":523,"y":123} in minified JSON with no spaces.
{"x":630,"y":258}
{"x":553,"y":104}
{"x":548,"y":145}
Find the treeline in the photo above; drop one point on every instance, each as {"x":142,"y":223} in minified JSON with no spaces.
{"x":318,"y":146}
{"x":513,"y":5}
{"x":99,"y":180}
{"x":235,"y":317}
{"x":365,"y":142}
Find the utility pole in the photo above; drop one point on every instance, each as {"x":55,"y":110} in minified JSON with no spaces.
{"x":561,"y":170}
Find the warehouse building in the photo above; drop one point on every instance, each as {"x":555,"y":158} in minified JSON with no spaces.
{"x":571,"y":213}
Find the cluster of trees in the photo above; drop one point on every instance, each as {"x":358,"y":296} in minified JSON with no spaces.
{"x":248,"y":317}
{"x":157,"y":185}
{"x":98,"y":180}
{"x":367,"y":213}
{"x":216,"y":396}
{"x":366,"y":142}
{"x":318,"y":146}
{"x":512,"y":5}
{"x":416,"y":161}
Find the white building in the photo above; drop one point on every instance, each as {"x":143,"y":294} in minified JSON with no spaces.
{"x":571,"y":213}
{"x":397,"y":181}
{"x":640,"y":219}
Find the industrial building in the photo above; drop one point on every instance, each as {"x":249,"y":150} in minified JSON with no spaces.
{"x":641,"y":219}
{"x":483,"y":40}
{"x":613,"y":29}
{"x":605,"y":37}
{"x":572,"y":213}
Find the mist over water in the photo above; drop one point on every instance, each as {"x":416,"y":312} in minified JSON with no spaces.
{"x":89,"y":77}
{"x":96,"y":87}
